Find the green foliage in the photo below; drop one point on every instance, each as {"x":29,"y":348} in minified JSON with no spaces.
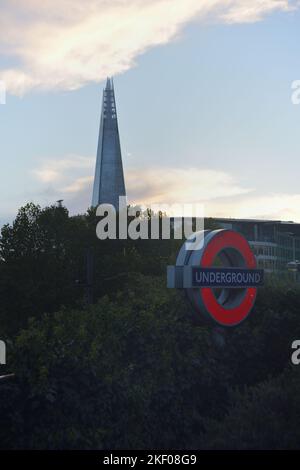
{"x":43,"y":258}
{"x":128,"y":373}
{"x":134,"y":370}
{"x":260,"y":418}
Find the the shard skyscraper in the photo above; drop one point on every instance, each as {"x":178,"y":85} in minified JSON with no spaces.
{"x":109,"y":177}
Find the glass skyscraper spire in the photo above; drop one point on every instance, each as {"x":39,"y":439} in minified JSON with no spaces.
{"x":109,"y":177}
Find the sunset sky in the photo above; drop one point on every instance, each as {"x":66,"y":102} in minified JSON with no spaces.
{"x":203,"y":92}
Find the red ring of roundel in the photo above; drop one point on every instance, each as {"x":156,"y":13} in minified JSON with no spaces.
{"x":228,"y":317}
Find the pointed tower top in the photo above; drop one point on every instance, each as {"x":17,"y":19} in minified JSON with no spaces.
{"x":109,"y":84}
{"x":109,"y":181}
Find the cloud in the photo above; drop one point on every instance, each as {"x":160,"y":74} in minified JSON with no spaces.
{"x":71,"y":178}
{"x":65,"y":44}
{"x":219,"y":193}
{"x":53,"y":171}
{"x":180,"y":185}
{"x":272,"y":206}
{"x":79,"y":184}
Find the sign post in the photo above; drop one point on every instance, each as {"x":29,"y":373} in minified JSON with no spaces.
{"x":219,"y":275}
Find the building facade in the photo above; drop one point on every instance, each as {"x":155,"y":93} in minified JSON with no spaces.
{"x":276,"y":244}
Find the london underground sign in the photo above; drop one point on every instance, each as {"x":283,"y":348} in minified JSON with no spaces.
{"x":219,"y":275}
{"x":226,"y":277}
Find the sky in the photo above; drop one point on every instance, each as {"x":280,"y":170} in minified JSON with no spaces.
{"x":204,"y":102}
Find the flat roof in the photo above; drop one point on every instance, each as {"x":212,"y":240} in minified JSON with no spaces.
{"x":260,"y":221}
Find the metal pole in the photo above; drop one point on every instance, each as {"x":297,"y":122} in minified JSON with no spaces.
{"x":89,"y":276}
